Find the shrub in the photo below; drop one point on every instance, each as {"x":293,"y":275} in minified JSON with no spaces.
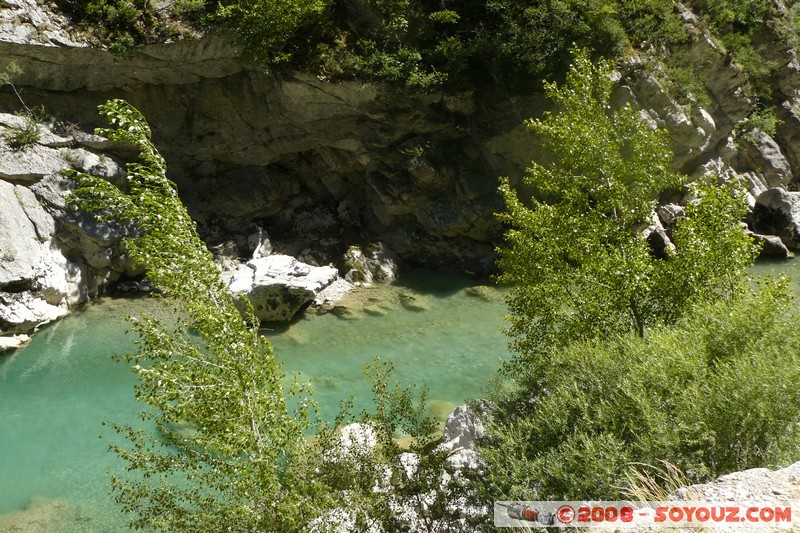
{"x":718,"y":392}
{"x":734,"y":22}
{"x":21,"y":137}
{"x":273,"y":31}
{"x":576,"y":258}
{"x":403,"y":43}
{"x":763,"y":119}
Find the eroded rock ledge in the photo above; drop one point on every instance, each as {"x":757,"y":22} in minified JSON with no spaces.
{"x":322,"y":165}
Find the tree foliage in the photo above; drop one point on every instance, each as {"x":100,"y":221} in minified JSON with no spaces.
{"x":219,"y":447}
{"x":274,"y":31}
{"x":210,"y":372}
{"x":576,"y":258}
{"x":413,"y":44}
{"x":716,"y":393}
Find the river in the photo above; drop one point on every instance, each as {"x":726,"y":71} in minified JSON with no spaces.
{"x":56,"y":391}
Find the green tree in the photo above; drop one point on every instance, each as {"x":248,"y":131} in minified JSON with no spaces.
{"x":274,"y":31}
{"x":624,"y":357}
{"x":715,"y":393}
{"x":209,"y":371}
{"x":220,"y":449}
{"x":576,"y":260}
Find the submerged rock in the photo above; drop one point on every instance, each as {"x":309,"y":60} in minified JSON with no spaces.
{"x":414,"y":302}
{"x":482,"y":292}
{"x":278,"y":286}
{"x":43,"y":514}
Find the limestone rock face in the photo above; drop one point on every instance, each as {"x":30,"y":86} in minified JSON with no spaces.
{"x":765,"y":155}
{"x":51,"y":258}
{"x":777,"y":212}
{"x":278,"y":286}
{"x":30,"y":264}
{"x":754,"y":485}
{"x":25,"y":22}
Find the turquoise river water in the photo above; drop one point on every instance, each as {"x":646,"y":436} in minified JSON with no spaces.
{"x":56,"y":391}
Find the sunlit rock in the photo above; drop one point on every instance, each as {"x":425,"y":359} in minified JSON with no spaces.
{"x":278,"y":286}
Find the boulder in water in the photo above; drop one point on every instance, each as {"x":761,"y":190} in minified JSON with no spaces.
{"x":278,"y":286}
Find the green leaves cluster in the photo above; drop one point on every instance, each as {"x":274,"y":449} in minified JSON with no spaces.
{"x":515,"y":44}
{"x":716,"y":393}
{"x":735,"y":22}
{"x":576,"y":259}
{"x":413,"y":44}
{"x":274,"y":31}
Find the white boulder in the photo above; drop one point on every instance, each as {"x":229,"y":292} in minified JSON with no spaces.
{"x":461,"y":431}
{"x":13,"y":342}
{"x":23,"y":312}
{"x":278,"y":286}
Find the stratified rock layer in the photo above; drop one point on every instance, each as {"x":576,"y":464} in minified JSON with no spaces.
{"x":312,"y":161}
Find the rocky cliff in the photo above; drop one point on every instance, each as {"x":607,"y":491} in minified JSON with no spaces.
{"x":323,"y":166}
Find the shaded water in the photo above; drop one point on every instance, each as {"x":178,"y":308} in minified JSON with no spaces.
{"x":55,"y":392}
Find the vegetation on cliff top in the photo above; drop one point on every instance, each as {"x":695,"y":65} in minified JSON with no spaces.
{"x":422,"y":45}
{"x":413,"y":43}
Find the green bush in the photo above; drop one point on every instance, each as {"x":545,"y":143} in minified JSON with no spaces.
{"x":763,"y":119}
{"x":734,"y":22}
{"x":29,"y":133}
{"x":718,"y":392}
{"x":274,"y":31}
{"x":110,"y":19}
{"x":576,"y":259}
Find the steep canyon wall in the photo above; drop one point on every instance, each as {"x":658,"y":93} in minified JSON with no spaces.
{"x":325,"y":165}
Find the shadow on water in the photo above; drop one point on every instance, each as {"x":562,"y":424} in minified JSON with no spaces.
{"x":438,"y":284}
